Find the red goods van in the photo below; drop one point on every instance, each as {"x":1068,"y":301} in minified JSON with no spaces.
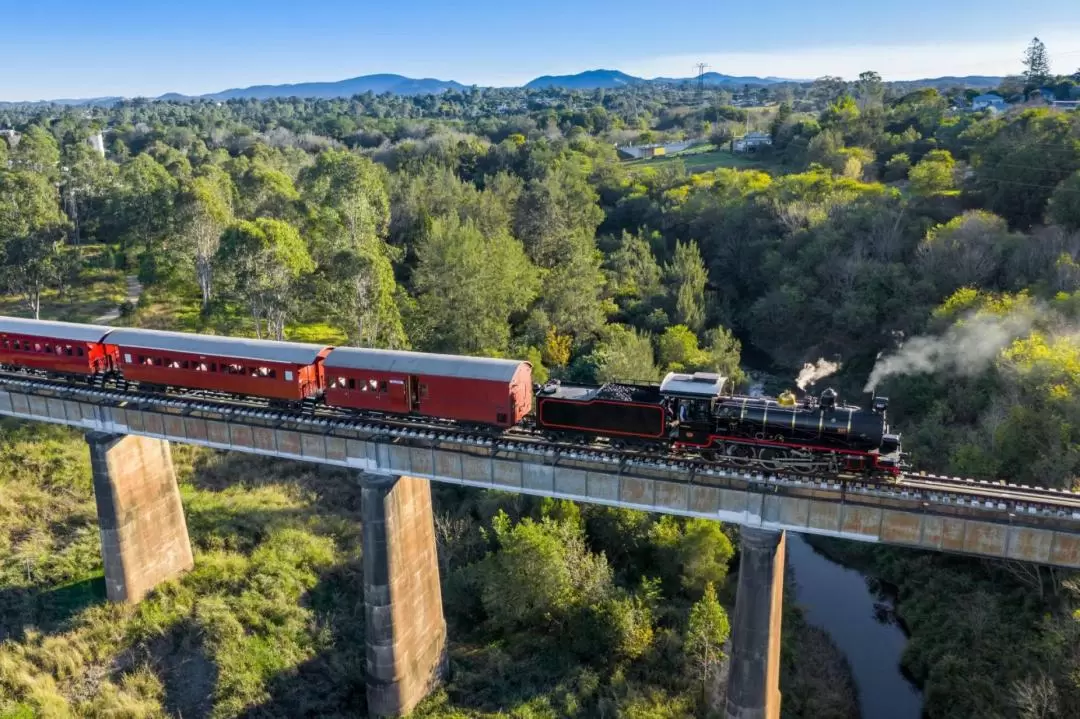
{"x":465,"y":389}
{"x":259,"y":368}
{"x":57,"y":347}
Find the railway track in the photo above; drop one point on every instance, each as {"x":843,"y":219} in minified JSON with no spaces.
{"x":526,"y":440}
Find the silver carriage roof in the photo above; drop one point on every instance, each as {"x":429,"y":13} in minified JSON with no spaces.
{"x":217,"y":346}
{"x":422,"y":363}
{"x":700,"y":385}
{"x":68,"y":331}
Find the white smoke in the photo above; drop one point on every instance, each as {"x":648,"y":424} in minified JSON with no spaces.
{"x":966,"y":348}
{"x":812,"y":372}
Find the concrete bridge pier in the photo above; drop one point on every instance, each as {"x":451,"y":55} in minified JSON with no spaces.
{"x":406,"y":630}
{"x":753,"y":690}
{"x":144,"y":536}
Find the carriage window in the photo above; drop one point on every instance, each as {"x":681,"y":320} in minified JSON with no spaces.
{"x":6,"y":344}
{"x":352,"y":382}
{"x":423,"y":390}
{"x":174,"y":364}
{"x":382,"y":386}
{"x":372,"y":385}
{"x":48,"y":347}
{"x":127,"y":358}
{"x":37,"y":346}
{"x":79,"y":351}
{"x":213,"y":366}
{"x":17,"y":345}
{"x":158,"y":361}
{"x":288,"y":375}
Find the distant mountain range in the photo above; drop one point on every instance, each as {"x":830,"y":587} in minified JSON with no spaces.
{"x":401,"y":85}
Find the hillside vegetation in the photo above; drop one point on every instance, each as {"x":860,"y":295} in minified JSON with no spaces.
{"x":929,"y":250}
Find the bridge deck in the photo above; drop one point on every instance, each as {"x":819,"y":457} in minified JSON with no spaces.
{"x":927,"y":512}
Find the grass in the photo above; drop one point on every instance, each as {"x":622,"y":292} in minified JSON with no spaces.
{"x":703,"y":158}
{"x":96,"y":292}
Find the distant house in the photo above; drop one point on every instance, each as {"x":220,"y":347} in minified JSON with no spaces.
{"x":989,"y":101}
{"x":750,"y":142}
{"x":11,"y":136}
{"x":1065,"y":104}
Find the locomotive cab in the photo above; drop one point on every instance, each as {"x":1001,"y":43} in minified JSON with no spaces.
{"x":691,"y":401}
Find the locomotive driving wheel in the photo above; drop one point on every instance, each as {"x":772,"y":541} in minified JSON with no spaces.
{"x":772,"y":458}
{"x":740,"y":454}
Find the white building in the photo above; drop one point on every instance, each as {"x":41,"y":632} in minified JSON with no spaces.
{"x":989,"y":101}
{"x":750,"y":142}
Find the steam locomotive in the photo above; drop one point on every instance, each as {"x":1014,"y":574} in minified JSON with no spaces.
{"x":700,"y":413}
{"x":695,"y":414}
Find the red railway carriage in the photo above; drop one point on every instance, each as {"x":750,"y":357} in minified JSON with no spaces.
{"x":467,"y":389}
{"x":275,"y":370}
{"x":57,"y":347}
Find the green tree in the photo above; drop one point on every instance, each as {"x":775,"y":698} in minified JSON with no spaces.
{"x":898,"y":167}
{"x":142,"y":208}
{"x":86,"y":178}
{"x":935,"y":173}
{"x":557,"y":216}
{"x":266,"y":259}
{"x":31,"y":229}
{"x":355,"y":187}
{"x":1064,"y":206}
{"x":706,"y":633}
{"x":553,"y":552}
{"x":1036,"y":64}
{"x":468,"y":286}
{"x":359,"y":295}
{"x":686,"y":277}
{"x":37,"y":151}
{"x":621,"y":353}
{"x":870,"y":90}
{"x":205,"y":209}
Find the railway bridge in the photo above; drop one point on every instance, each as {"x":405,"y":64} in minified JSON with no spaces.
{"x":144,"y":535}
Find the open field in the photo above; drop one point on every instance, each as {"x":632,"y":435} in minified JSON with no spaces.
{"x":704,"y":158}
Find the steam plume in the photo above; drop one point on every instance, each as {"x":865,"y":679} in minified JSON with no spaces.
{"x":811,"y":373}
{"x":965,"y":348}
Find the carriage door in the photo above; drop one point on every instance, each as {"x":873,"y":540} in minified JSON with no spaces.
{"x":414,"y":393}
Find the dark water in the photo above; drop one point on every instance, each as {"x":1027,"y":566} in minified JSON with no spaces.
{"x":838,"y":600}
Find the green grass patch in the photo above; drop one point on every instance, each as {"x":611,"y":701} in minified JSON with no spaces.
{"x":703,"y":158}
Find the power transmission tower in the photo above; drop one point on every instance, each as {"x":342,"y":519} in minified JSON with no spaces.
{"x":701,"y":66}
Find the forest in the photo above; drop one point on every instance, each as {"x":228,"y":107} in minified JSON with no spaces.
{"x":931,"y":251}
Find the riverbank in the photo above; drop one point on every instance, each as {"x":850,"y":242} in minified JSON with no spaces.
{"x":987,"y":638}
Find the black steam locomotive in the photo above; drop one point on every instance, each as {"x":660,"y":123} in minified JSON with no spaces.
{"x":699,"y":414}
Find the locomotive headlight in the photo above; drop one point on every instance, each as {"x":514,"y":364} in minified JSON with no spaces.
{"x":880,"y":404}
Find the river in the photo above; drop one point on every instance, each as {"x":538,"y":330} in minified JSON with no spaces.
{"x":838,"y":600}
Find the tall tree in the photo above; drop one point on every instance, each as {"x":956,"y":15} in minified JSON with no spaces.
{"x":1036,"y":63}
{"x":359,"y":294}
{"x":266,"y":259}
{"x":686,"y":278}
{"x":469,"y":285}
{"x":870,"y":89}
{"x":37,"y":151}
{"x":353,"y":186}
{"x":143,"y":206}
{"x":205,"y":209}
{"x":86,"y":178}
{"x":31,"y":229}
{"x":705,"y":635}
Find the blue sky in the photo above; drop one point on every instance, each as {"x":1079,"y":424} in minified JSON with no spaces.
{"x":64,"y":48}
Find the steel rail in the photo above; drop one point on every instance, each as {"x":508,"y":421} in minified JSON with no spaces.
{"x":523,"y":440}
